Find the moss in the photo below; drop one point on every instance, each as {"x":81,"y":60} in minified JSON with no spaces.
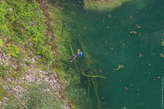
{"x":24,"y":85}
{"x":3,"y":93}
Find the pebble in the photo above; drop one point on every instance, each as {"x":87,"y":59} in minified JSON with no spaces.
{"x":29,"y":78}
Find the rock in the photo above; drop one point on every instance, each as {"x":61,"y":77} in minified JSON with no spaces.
{"x":102,"y":5}
{"x":29,"y":79}
{"x":39,"y":56}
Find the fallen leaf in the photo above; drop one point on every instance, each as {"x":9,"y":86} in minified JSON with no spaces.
{"x":140,"y":55}
{"x":131,"y":16}
{"x":126,"y":88}
{"x":106,"y":42}
{"x":138,"y":26}
{"x":111,"y":48}
{"x":161,"y":55}
{"x":134,"y":32}
{"x":107,"y":27}
{"x":138,"y":94}
{"x":84,"y":27}
{"x":100,"y":70}
{"x":110,"y":16}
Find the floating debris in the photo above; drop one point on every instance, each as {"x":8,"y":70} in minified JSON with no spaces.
{"x":84,"y":27}
{"x":138,"y":26}
{"x":134,"y":32}
{"x":162,"y":55}
{"x":126,"y":88}
{"x":119,"y":66}
{"x":131,"y":16}
{"x":100,"y":70}
{"x":153,"y":54}
{"x":110,"y":16}
{"x":162,"y":43}
{"x":140,"y":55}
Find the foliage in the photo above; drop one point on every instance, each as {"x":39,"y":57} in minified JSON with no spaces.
{"x":3,"y":70}
{"x":22,"y":20}
{"x":3,"y":93}
{"x":11,"y":50}
{"x":35,"y":98}
{"x":1,"y":43}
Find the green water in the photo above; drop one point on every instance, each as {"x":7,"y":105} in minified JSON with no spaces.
{"x":138,"y":84}
{"x":108,"y":40}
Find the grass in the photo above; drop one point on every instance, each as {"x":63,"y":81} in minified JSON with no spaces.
{"x":22,"y":35}
{"x":35,"y":98}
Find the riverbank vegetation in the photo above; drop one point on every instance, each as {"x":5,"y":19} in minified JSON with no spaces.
{"x":25,"y":47}
{"x":36,"y":37}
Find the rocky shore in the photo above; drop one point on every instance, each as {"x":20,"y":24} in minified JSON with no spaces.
{"x":32,"y":76}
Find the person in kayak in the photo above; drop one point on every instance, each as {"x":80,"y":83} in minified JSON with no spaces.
{"x":79,"y":54}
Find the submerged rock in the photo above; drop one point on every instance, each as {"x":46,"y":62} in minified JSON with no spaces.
{"x":102,"y":5}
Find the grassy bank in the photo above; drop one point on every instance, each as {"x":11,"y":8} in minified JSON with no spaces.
{"x":26,"y":47}
{"x":34,"y":40}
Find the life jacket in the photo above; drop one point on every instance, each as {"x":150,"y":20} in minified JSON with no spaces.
{"x":80,"y":54}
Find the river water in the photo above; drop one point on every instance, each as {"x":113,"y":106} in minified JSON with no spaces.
{"x":131,"y":36}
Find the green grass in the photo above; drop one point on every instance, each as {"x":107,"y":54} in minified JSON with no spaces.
{"x":22,"y":27}
{"x":20,"y":21}
{"x":35,"y":98}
